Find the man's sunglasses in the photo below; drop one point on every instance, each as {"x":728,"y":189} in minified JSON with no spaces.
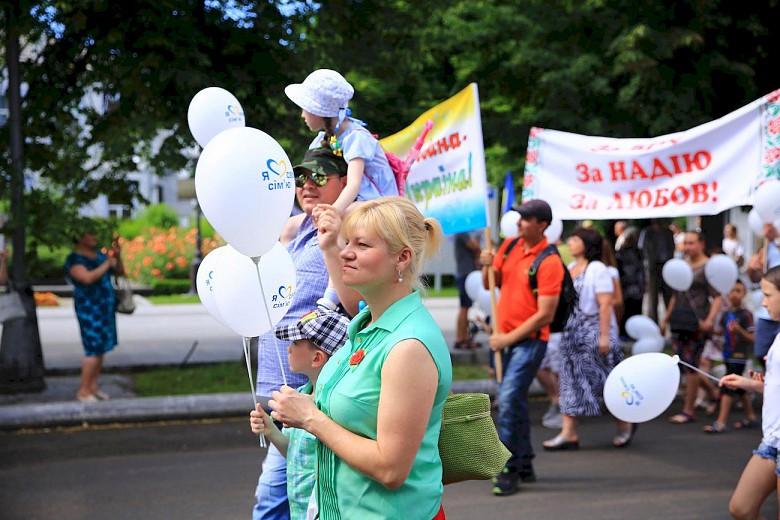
{"x":319,"y":179}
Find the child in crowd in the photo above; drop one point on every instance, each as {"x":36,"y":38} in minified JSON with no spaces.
{"x":323,"y":98}
{"x":761,"y":476}
{"x":314,"y":338}
{"x":737,"y":329}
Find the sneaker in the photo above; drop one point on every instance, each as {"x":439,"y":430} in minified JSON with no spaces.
{"x":554,"y":422}
{"x":527,"y":474}
{"x":506,"y":483}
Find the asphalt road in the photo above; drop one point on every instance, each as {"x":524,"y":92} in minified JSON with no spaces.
{"x":208,"y":470}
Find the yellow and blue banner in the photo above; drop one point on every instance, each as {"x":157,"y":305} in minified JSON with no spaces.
{"x":448,"y":181}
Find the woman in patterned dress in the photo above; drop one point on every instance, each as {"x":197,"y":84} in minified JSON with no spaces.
{"x":589,"y":348}
{"x":90,"y":270}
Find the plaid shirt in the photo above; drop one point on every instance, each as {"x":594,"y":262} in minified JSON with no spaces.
{"x":311,"y":280}
{"x":301,"y":466}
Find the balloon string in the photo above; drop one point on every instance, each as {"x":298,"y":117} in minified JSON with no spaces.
{"x":268,"y":314}
{"x":248,"y":358}
{"x":693,"y":306}
{"x":702,"y":372}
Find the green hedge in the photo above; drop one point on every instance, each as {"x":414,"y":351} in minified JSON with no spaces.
{"x":172,"y":286}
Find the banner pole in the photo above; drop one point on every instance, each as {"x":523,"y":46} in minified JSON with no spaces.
{"x":498,"y":363}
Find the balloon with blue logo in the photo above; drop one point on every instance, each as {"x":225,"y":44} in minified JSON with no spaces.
{"x":642,"y":387}
{"x":245,"y":187}
{"x":211,"y":111}
{"x":252,"y":297}
{"x":206,"y":282}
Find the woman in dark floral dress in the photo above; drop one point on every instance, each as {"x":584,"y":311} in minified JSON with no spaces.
{"x":90,"y":270}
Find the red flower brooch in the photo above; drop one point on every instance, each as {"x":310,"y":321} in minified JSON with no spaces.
{"x":357,"y":357}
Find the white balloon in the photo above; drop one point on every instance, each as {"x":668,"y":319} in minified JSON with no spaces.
{"x":474,"y":285}
{"x":211,"y":111}
{"x":641,"y":387}
{"x":756,"y":223}
{"x":766,"y":201}
{"x":721,"y":272}
{"x":554,"y":230}
{"x":253,"y":298}
{"x":650,"y":343}
{"x":639,"y":327}
{"x":245,"y":187}
{"x":508,"y":225}
{"x":483,"y":301}
{"x":677,"y":274}
{"x":207,"y":284}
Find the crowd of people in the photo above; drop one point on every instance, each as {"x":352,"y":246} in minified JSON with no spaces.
{"x":345,"y":442}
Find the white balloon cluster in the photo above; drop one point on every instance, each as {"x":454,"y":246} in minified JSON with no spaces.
{"x":766,"y":202}
{"x":477,"y":292}
{"x":244,"y":185}
{"x":721,"y":272}
{"x":646,"y":333}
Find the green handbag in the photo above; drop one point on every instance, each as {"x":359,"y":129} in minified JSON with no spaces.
{"x":468,"y":444}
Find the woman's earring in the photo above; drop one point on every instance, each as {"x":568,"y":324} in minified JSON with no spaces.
{"x":400,"y":277}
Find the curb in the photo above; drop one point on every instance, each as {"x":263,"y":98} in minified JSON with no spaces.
{"x":153,"y":409}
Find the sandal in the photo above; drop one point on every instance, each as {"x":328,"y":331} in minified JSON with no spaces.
{"x":624,"y":438}
{"x":682,"y":418}
{"x":745,"y":424}
{"x":558,"y":443}
{"x":715,"y":427}
{"x":460,"y":345}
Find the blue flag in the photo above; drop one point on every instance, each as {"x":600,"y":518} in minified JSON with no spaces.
{"x":508,"y":197}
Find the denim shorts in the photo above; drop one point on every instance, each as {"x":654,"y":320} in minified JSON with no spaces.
{"x":766,"y":451}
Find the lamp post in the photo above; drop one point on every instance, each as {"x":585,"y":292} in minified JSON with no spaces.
{"x":21,"y":357}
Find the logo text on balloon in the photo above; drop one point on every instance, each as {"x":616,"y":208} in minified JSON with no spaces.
{"x":234,"y":113}
{"x":631,"y":394}
{"x":282,"y":178}
{"x":283,"y":298}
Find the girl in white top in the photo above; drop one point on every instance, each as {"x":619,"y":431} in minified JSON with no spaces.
{"x":762,"y":474}
{"x":731,"y":245}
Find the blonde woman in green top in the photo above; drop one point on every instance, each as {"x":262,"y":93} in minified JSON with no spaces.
{"x":379,"y":399}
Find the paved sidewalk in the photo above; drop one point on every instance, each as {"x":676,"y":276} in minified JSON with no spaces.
{"x":158,"y":335}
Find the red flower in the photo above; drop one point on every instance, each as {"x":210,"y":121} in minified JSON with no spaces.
{"x":357,"y":357}
{"x":772,"y":155}
{"x":535,"y":131}
{"x":530,"y":157}
{"x":774,"y":126}
{"x":773,"y":96}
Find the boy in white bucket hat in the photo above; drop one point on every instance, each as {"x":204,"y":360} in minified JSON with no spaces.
{"x":324,"y":97}
{"x":314,"y":339}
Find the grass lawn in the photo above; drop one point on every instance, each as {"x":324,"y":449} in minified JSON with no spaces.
{"x":168,"y":299}
{"x":228,"y":377}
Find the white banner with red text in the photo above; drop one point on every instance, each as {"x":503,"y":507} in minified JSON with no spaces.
{"x":701,"y":171}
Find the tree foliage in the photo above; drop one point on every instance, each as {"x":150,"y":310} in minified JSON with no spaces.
{"x":105,"y":78}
